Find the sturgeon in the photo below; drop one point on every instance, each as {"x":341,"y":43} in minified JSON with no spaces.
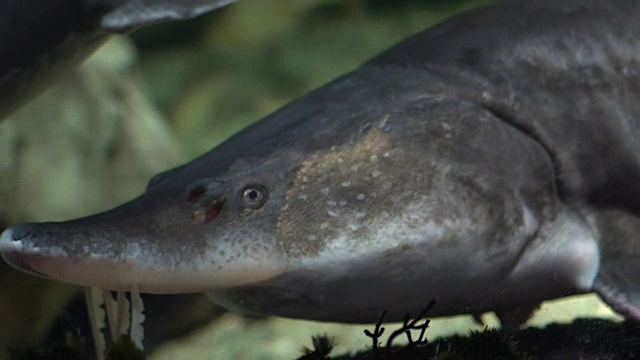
{"x":43,"y":40}
{"x":490,"y":163}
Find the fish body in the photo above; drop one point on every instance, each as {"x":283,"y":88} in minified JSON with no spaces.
{"x":489,"y":163}
{"x":44,"y":39}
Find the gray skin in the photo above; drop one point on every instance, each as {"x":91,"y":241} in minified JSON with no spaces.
{"x":489,"y":163}
{"x":44,"y":39}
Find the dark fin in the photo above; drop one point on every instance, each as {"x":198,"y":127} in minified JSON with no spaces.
{"x":132,"y":14}
{"x":477,"y":318}
{"x":512,"y":319}
{"x":618,"y":281}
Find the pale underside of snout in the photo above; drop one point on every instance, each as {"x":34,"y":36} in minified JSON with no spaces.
{"x":133,"y":265}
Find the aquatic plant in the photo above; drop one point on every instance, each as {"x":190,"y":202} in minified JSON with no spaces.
{"x":408,"y":325}
{"x":322,"y":346}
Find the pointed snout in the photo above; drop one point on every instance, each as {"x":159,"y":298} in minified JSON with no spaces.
{"x":11,"y":248}
{"x":112,"y":256}
{"x":64,"y":252}
{"x":19,"y":250}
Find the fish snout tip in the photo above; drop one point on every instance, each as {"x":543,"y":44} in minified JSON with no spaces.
{"x":7,"y":242}
{"x":11,"y":247}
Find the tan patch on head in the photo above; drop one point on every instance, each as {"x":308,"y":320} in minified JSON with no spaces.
{"x":340,"y":192}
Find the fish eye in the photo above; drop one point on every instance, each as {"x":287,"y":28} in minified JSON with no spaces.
{"x":254,"y":196}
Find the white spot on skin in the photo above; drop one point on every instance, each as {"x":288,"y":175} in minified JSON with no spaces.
{"x":346,"y":184}
{"x":384,"y":126}
{"x":373,"y":158}
{"x":312,"y":237}
{"x":303,"y":197}
{"x":530,"y":221}
{"x":375,"y":173}
{"x":342,"y":203}
{"x":325,"y":191}
{"x":332,"y":203}
{"x":360,"y":214}
{"x":324,"y":226}
{"x":332,"y":213}
{"x":360,"y":197}
{"x":447,"y":128}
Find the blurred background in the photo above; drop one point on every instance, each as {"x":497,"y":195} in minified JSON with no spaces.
{"x":214,"y":75}
{"x":164,"y":95}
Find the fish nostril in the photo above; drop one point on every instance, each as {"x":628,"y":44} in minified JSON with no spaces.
{"x":214,"y":210}
{"x":195,"y":195}
{"x":208,"y":213}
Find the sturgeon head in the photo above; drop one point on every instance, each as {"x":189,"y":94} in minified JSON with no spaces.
{"x":378,"y":191}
